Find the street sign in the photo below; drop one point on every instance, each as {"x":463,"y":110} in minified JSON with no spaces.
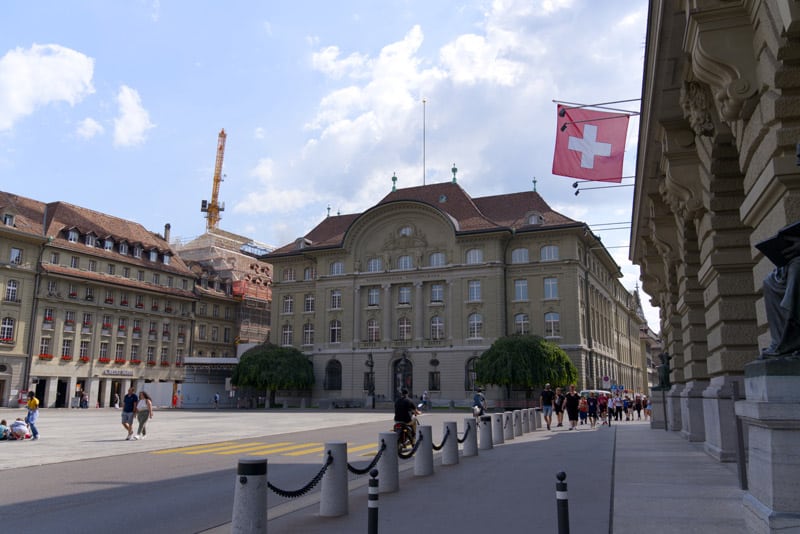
{"x":614,"y":388}
{"x":621,"y":387}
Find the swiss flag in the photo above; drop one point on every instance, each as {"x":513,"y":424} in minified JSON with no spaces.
{"x":590,"y":145}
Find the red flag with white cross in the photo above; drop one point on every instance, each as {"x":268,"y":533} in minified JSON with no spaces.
{"x":590,"y":145}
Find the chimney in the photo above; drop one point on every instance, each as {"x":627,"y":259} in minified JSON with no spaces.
{"x":166,"y":232}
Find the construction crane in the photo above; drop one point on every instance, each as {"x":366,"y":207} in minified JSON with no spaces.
{"x":213,"y":207}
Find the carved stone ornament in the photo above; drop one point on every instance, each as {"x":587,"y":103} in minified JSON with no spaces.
{"x":695,"y":103}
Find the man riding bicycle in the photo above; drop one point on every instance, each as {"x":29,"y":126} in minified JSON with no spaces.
{"x":405,"y":412}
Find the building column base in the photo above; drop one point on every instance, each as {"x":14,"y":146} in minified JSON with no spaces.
{"x":772,"y":503}
{"x":674,"y":407}
{"x":693,"y":427}
{"x":719,"y":414}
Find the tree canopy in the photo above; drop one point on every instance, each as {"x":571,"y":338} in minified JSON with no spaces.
{"x":525,"y":361}
{"x":270,"y":367}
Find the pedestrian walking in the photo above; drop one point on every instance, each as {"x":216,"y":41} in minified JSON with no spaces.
{"x":33,"y":414}
{"x":128,"y":409}
{"x":216,"y":400}
{"x":637,"y":406}
{"x":546,"y":401}
{"x":592,"y":405}
{"x":583,"y":410}
{"x":571,"y":402}
{"x":116,"y":401}
{"x":144,"y":412}
{"x":558,"y":407}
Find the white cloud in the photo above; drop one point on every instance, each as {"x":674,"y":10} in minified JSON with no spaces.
{"x":271,"y":198}
{"x":88,"y":128}
{"x":259,"y":133}
{"x":133,"y":120}
{"x":43,"y":74}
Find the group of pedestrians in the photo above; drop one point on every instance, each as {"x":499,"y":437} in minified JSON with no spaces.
{"x":138,"y":406}
{"x":591,"y":408}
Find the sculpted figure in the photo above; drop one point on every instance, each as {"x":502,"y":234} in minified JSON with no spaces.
{"x":782,"y":293}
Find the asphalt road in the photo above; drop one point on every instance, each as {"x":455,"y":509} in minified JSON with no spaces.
{"x":166,"y":484}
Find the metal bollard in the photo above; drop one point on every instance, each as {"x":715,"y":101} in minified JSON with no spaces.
{"x":334,"y":494}
{"x":471,"y":439}
{"x":486,"y":431}
{"x":372,"y":503}
{"x":517,"y":423}
{"x":450,"y":447}
{"x":250,"y":497}
{"x":388,"y":465}
{"x":562,"y":503}
{"x":526,"y":426}
{"x":423,"y":458}
{"x":508,"y":426}
{"x":497,"y":429}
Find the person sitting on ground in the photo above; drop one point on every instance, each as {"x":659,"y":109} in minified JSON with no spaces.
{"x":4,"y":430}
{"x":19,"y":429}
{"x":404,"y":411}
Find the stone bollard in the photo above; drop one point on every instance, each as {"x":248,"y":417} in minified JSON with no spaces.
{"x":517,"y":423}
{"x":388,"y":464}
{"x":526,"y":426}
{"x":471,"y":440}
{"x":334,"y":494}
{"x":486,"y":430}
{"x":250,"y":497}
{"x":497,"y":429}
{"x":508,"y":426}
{"x":534,"y":417}
{"x":423,"y":458}
{"x":450,"y":447}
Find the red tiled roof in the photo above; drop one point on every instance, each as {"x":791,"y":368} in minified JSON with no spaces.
{"x":496,"y":212}
{"x":115,"y":280}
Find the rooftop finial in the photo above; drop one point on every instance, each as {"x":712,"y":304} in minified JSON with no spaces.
{"x":454,"y":170}
{"x":394,"y":181}
{"x":534,"y":184}
{"x":329,"y":210}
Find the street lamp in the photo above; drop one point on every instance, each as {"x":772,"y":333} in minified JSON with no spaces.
{"x":370,"y":379}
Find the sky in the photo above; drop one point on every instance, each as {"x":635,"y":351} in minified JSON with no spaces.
{"x":116,"y":106}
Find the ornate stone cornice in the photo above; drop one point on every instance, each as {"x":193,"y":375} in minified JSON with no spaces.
{"x":682,"y":187}
{"x":696,"y":106}
{"x":719,"y":39}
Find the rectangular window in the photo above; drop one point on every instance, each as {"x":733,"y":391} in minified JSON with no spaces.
{"x":93,"y":266}
{"x":111,"y":268}
{"x":551,"y":288}
{"x":374,"y":265}
{"x":202,"y":309}
{"x":308,"y":303}
{"x":520,"y":290}
{"x":83,"y":350}
{"x":434,"y":381}
{"x":44,"y":346}
{"x":54,"y":258}
{"x":373,"y":296}
{"x":201,"y":332}
{"x":215,"y":333}
{"x":66,"y":348}
{"x":215,"y":311}
{"x":140,"y":276}
{"x":474,"y":294}
{"x":226,"y":335}
{"x":75,"y":262}
{"x":184,"y":284}
{"x":404,"y":295}
{"x":169,"y":281}
{"x":126,"y":272}
{"x":437,"y":293}
{"x":104,"y":349}
{"x":123,"y":248}
{"x":336,"y":299}
{"x":156,"y":279}
{"x":52,"y":288}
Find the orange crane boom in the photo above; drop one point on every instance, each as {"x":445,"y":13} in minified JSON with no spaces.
{"x":213,"y":208}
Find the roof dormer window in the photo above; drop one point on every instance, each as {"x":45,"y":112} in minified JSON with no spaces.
{"x":90,"y":240}
{"x":123,"y":248}
{"x":154,"y":255}
{"x":8,"y":219}
{"x":72,"y":236}
{"x":535,"y":218}
{"x":137,"y":251}
{"x":166,"y":259}
{"x":108,"y":244}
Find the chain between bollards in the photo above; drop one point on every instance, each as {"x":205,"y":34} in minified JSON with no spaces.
{"x":372,"y":503}
{"x":562,"y":503}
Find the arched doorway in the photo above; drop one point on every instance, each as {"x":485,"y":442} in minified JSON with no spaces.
{"x":403,"y":376}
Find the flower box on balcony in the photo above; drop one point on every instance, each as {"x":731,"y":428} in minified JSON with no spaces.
{"x":7,"y":340}
{"x":123,"y":303}
{"x":164,"y":364}
{"x":154,"y":308}
{"x":48,"y":319}
{"x":45,"y":356}
{"x":103,"y":360}
{"x":73,"y":295}
{"x":137,"y":329}
{"x":121,"y":327}
{"x":106,"y":326}
{"x":135,"y":361}
{"x":69,"y":322}
{"x":83,"y":359}
{"x":168,"y":309}
{"x":87,"y":324}
{"x":66,"y":358}
{"x":109,"y":301}
{"x":139,"y":305}
{"x":119,"y":360}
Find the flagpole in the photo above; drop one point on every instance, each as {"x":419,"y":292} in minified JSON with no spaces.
{"x":423,"y":140}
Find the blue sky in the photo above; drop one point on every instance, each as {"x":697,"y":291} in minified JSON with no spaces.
{"x":116,"y":106}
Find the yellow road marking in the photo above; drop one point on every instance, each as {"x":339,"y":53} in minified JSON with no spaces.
{"x":260,"y":448}
{"x":217,"y":448}
{"x":193,"y":447}
{"x":304,"y":451}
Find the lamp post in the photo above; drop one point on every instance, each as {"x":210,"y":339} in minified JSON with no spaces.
{"x":370,"y":385}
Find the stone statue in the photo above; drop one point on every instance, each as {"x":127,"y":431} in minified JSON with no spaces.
{"x":663,"y":371}
{"x":782,"y":292}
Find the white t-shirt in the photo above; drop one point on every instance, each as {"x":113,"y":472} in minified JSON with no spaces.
{"x":142,"y":406}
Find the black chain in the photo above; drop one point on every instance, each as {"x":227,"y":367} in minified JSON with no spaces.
{"x":466,"y":433}
{"x":372,"y":464}
{"x":308,"y":487}
{"x":444,"y":440}
{"x":505,"y":421}
{"x":406,"y":456}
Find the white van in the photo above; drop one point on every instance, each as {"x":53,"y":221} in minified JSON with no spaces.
{"x":597,"y":392}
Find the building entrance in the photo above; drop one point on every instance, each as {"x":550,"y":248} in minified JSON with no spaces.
{"x":403,"y":376}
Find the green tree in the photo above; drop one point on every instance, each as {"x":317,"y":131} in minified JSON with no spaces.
{"x":524,"y":361}
{"x":269,"y":367}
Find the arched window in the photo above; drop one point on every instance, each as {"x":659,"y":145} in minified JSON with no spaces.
{"x":11,"y":291}
{"x":549,"y":253}
{"x":308,"y":303}
{"x":287,"y":335}
{"x":552,"y":324}
{"x":374,"y":265}
{"x":308,"y":333}
{"x":373,"y":331}
{"x":519,"y":255}
{"x":333,"y":375}
{"x":521,"y":324}
{"x":309,"y":273}
{"x":404,"y":263}
{"x":337,"y":267}
{"x":404,"y":328}
{"x":437,"y":259}
{"x":437,"y":328}
{"x":336,"y":299}
{"x":7,"y":330}
{"x":288,"y":304}
{"x":288,"y":275}
{"x":474,"y":255}
{"x":336,"y":331}
{"x":475,"y":325}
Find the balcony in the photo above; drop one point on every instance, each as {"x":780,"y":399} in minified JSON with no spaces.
{"x":73,"y":295}
{"x":103,"y":360}
{"x":109,"y":301}
{"x":45,"y":356}
{"x":123,"y":303}
{"x":66,"y":358}
{"x":139,"y":305}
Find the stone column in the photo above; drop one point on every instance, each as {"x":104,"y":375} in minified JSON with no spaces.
{"x":386,"y":307}
{"x":92,"y":390}
{"x":419,"y":315}
{"x":772,"y":387}
{"x":356,"y":317}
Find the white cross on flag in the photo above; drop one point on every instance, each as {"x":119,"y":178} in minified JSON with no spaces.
{"x":590,"y":145}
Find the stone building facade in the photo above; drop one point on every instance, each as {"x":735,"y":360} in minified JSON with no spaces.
{"x":716,"y":174}
{"x":412,"y":291}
